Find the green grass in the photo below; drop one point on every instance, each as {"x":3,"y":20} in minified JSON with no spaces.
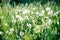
{"x":29,"y":22}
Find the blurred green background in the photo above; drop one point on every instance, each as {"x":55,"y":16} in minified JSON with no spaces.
{"x":29,"y":19}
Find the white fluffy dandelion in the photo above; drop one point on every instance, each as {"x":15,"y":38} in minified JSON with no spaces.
{"x":11,"y":30}
{"x":19,"y":17}
{"x":49,"y":22}
{"x":37,"y":14}
{"x":26,"y":11}
{"x":1,"y":33}
{"x":29,"y":25}
{"x":50,"y":12}
{"x":43,"y":11}
{"x":21,"y":33}
{"x":48,"y":9}
{"x":26,"y":17}
{"x":57,"y":22}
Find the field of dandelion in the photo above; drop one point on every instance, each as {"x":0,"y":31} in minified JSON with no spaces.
{"x":30,"y":22}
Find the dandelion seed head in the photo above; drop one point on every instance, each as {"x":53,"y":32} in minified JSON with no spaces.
{"x":1,"y":33}
{"x":19,"y":17}
{"x":26,"y":17}
{"x":48,"y":9}
{"x":49,"y":21}
{"x":26,"y":11}
{"x":50,"y":12}
{"x":11,"y":30}
{"x":43,"y":11}
{"x":41,"y":14}
{"x":29,"y":25}
{"x":37,"y":14}
{"x":58,"y":22}
{"x":21,"y":33}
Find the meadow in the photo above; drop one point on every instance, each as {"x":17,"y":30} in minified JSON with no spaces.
{"x":32,"y":21}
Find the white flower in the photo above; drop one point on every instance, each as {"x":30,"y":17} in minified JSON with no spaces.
{"x":29,"y":25}
{"x":43,"y":11}
{"x":19,"y":17}
{"x":41,"y":14}
{"x":26,"y":11}
{"x":21,"y":33}
{"x":37,"y":14}
{"x":11,"y":30}
{"x":50,"y":12}
{"x":49,"y":21}
{"x":57,"y":22}
{"x":26,"y":17}
{"x":1,"y":33}
{"x":48,"y":9}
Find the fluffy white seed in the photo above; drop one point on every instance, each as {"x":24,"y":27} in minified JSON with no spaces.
{"x":11,"y":30}
{"x":48,"y":9}
{"x":26,"y":17}
{"x":1,"y":33}
{"x":21,"y":33}
{"x":29,"y":25}
{"x":43,"y":11}
{"x":26,"y":11}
